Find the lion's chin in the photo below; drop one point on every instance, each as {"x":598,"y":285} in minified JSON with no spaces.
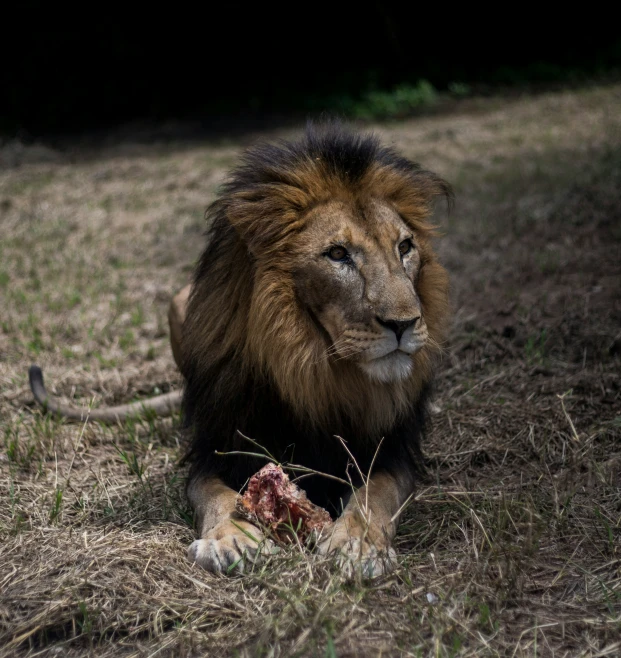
{"x":393,"y":367}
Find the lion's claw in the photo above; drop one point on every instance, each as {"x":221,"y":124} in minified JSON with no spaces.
{"x":367,"y":560}
{"x":356,"y":555}
{"x":226,"y":547}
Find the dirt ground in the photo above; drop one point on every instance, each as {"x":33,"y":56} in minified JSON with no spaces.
{"x":512,"y":546}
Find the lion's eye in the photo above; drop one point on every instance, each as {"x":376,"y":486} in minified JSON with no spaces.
{"x":338,"y":253}
{"x":405,"y":247}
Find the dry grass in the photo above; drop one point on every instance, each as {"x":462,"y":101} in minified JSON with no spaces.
{"x":513,"y":545}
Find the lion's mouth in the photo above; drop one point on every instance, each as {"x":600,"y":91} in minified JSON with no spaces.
{"x":392,"y":367}
{"x":411,"y":349}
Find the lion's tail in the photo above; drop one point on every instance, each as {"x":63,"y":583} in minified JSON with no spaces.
{"x":161,"y":405}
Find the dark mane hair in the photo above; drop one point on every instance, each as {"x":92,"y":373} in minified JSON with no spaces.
{"x":250,"y":352}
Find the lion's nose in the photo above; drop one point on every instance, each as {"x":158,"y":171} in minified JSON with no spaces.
{"x":399,"y":326}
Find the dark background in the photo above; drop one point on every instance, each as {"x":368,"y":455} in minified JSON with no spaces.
{"x":94,"y":66}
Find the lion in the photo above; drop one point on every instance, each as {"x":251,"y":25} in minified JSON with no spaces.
{"x":316,"y":311}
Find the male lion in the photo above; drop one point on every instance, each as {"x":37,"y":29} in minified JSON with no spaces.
{"x":316,"y":311}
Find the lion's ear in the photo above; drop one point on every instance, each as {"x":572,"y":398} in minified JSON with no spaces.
{"x":435,"y":187}
{"x":414,"y":192}
{"x":265,"y":215}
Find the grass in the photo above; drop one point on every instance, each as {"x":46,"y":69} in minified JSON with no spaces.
{"x":510,"y":546}
{"x":400,"y":101}
{"x":392,"y":104}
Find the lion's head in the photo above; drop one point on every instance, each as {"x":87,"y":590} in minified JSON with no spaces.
{"x":320,"y":280}
{"x":356,"y":263}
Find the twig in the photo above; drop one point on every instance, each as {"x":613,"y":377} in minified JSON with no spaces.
{"x":258,"y":445}
{"x":284,"y":465}
{"x":398,"y":512}
{"x":344,"y":444}
{"x":574,"y":434}
{"x":76,"y":446}
{"x":241,"y":452}
{"x":366,"y":497}
{"x":310,"y":471}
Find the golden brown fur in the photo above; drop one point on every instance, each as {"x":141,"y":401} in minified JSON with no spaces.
{"x":269,"y":314}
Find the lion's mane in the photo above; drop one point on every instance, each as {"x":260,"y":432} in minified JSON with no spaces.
{"x":254,"y":358}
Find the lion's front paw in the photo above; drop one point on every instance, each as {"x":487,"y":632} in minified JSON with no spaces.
{"x":228,"y":546}
{"x":356,"y":553}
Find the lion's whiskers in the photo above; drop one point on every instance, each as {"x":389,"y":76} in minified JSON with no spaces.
{"x":337,"y":349}
{"x":435,"y":345}
{"x":346,"y":355}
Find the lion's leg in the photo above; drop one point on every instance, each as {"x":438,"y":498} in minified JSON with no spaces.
{"x":176,"y":317}
{"x":363,"y":534}
{"x":225,"y":540}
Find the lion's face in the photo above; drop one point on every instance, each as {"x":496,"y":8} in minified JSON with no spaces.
{"x":355,"y":271}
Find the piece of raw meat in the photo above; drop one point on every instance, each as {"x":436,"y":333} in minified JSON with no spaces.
{"x":275,"y":503}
